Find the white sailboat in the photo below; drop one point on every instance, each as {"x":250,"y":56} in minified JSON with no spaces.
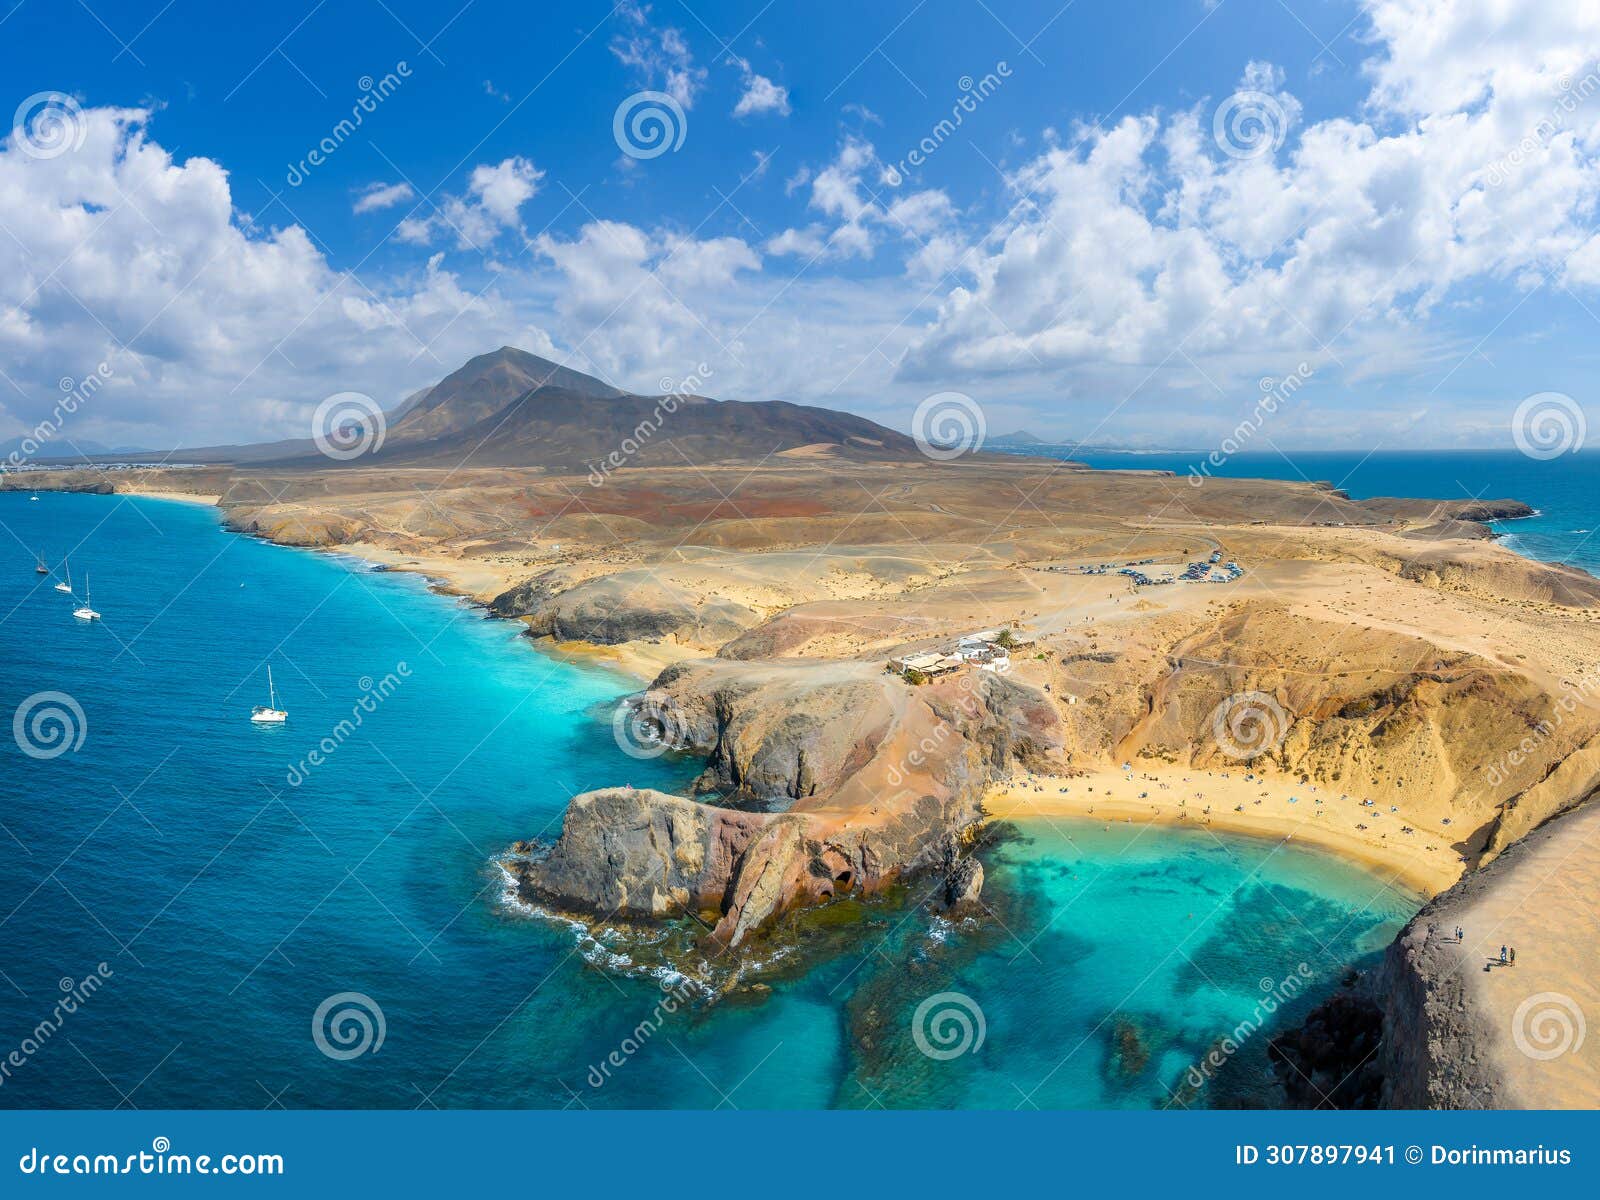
{"x":84,"y":612}
{"x":269,"y":713}
{"x":66,"y":584}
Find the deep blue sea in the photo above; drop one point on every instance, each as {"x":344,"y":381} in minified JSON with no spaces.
{"x":1565,"y":490}
{"x":228,"y":903}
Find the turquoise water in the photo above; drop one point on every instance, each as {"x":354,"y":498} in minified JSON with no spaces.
{"x":1563,"y":489}
{"x":228,"y":903}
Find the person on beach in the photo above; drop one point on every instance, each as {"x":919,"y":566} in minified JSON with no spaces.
{"x":1502,"y":954}
{"x":1513,"y":956}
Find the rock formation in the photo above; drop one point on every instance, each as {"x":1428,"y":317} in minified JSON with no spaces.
{"x":875,"y":783}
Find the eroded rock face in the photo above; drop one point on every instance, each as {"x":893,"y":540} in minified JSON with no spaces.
{"x":1435,"y":1051}
{"x":772,"y":734}
{"x":884,"y":783}
{"x":625,"y":607}
{"x":641,"y":853}
{"x":1461,"y":1030}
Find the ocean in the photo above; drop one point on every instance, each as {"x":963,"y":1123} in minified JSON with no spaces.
{"x":199,"y":912}
{"x":1562,"y":489}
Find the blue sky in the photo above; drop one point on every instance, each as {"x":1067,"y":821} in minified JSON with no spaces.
{"x":1090,"y":254}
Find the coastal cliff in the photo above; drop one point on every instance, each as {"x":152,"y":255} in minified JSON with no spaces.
{"x":1443,"y":1021}
{"x":1412,"y":695}
{"x":1462,"y":1029}
{"x":861,"y":782}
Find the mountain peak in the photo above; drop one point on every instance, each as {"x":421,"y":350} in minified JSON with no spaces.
{"x":485,"y":385}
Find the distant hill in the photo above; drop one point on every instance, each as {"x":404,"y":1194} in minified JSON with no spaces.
{"x":1020,"y":438}
{"x":514,"y":409}
{"x":509,"y":408}
{"x":57,"y":447}
{"x":482,"y":389}
{"x":65,"y":448}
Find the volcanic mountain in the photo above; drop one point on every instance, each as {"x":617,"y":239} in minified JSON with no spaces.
{"x":512,"y":408}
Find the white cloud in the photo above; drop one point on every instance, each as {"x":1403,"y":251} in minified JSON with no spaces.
{"x":760,"y":94}
{"x":660,"y":56}
{"x":214,"y":327}
{"x":1146,"y":248}
{"x":377,"y":196}
{"x":1137,"y":259}
{"x":491,"y":206}
{"x":845,"y":191}
{"x":634,"y":302}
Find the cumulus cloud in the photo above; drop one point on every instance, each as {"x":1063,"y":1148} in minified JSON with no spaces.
{"x":1151,"y":256}
{"x":849,"y":190}
{"x":214,"y":327}
{"x":377,"y":196}
{"x":633,"y":301}
{"x":491,"y":206}
{"x":759,"y":95}
{"x":1163,"y":242}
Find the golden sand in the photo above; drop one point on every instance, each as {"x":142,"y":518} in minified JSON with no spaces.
{"x":1423,"y":861}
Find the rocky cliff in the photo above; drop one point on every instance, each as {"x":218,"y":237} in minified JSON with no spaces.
{"x":1462,"y":1029}
{"x":860,"y":781}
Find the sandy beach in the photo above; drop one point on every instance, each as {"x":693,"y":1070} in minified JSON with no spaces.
{"x":1241,"y":802}
{"x":641,"y":661}
{"x":474,"y":578}
{"x":187,"y":497}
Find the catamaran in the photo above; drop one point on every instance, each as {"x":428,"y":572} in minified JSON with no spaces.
{"x":269,"y":713}
{"x":83,"y":612}
{"x":66,"y":584}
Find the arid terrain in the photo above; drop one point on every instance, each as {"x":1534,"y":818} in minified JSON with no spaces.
{"x":1380,"y":678}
